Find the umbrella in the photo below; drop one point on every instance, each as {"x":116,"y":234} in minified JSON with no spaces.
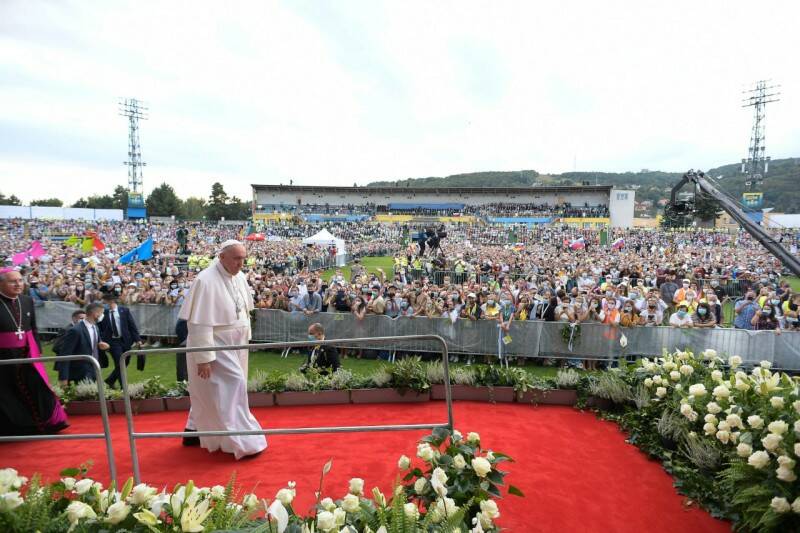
{"x":255,"y":237}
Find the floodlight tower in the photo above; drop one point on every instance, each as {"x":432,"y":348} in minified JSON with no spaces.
{"x":757,"y":163}
{"x":134,"y":110}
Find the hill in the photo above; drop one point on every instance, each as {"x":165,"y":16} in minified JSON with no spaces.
{"x":781,"y":190}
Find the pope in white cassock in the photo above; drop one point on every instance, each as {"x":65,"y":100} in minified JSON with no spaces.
{"x":217,"y":312}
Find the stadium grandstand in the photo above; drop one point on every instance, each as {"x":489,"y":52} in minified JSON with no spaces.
{"x":585,"y":207}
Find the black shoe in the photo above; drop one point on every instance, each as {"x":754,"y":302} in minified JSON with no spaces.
{"x":109,"y":384}
{"x":191,"y":441}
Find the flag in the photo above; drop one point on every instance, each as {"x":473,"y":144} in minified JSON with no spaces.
{"x":143,"y":252}
{"x":34,"y":251}
{"x":603,"y":237}
{"x":92,"y":242}
{"x":618,"y":244}
{"x":577,"y":244}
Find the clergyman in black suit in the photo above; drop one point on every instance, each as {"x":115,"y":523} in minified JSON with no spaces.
{"x":82,"y":339}
{"x":118,"y":329}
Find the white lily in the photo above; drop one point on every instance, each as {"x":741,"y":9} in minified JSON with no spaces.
{"x":278,"y":512}
{"x":194,"y":515}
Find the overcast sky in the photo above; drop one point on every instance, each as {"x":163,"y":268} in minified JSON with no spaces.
{"x":336,"y":93}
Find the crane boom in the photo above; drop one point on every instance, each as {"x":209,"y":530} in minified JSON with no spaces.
{"x":732,"y":208}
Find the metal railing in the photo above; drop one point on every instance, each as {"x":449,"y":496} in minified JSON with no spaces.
{"x":133,"y":435}
{"x":112,"y":467}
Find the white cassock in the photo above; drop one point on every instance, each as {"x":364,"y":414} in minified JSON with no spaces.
{"x":217,"y":312}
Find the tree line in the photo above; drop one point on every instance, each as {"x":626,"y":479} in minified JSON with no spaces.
{"x":162,"y":201}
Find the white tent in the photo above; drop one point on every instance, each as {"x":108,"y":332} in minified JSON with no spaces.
{"x":324,"y":238}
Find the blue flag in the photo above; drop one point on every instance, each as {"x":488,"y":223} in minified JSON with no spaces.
{"x":143,"y":252}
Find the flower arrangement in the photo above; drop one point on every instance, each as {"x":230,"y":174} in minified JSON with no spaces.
{"x":452,"y":489}
{"x":730,"y":435}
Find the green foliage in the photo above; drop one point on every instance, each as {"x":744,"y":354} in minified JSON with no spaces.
{"x":409,"y":373}
{"x":95,"y":202}
{"x":163,"y":202}
{"x":9,"y":200}
{"x":48,"y":202}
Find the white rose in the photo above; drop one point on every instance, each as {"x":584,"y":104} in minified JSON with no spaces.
{"x":796,"y":405}
{"x":723,"y":436}
{"x":786,"y":461}
{"x":285,"y":496}
{"x":758,"y":459}
{"x":78,"y":510}
{"x":710,"y":428}
{"x":357,"y":486}
{"x":473,"y":438}
{"x":678,"y":386}
{"x":217,"y":492}
{"x":69,"y":483}
{"x":481,"y":466}
{"x":661,"y":392}
{"x":83,"y":486}
{"x":339,"y":517}
{"x":404,"y":463}
{"x":325,"y":521}
{"x":670,"y":366}
{"x":411,"y":510}
{"x":446,"y":507}
{"x":489,"y":508}
{"x":734,"y":420}
{"x":674,"y":375}
{"x":724,"y":426}
{"x":657,"y":379}
{"x":698,"y":389}
{"x":709,"y":354}
{"x":735,"y":361}
{"x":459,"y":462}
{"x":425,"y":452}
{"x":328,"y":504}
{"x":796,"y":505}
{"x":716,"y":375}
{"x":776,"y":402}
{"x":420,"y":484}
{"x":10,"y":501}
{"x":688,"y":412}
{"x":744,"y":449}
{"x":710,"y":419}
{"x":117,"y":512}
{"x":686,"y":370}
{"x":780,"y":505}
{"x":141,"y":494}
{"x":797,"y":426}
{"x":785,"y":474}
{"x":351,"y":503}
{"x":797,"y":449}
{"x":457,"y":436}
{"x":741,"y":385}
{"x":648,"y":382}
{"x":779,"y":426}
{"x":771,"y":442}
{"x":250,"y":501}
{"x":721,"y":392}
{"x":765,"y":364}
{"x":755,"y":421}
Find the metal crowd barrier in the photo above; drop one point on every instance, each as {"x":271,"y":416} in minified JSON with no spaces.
{"x":112,"y":468}
{"x":134,"y":435}
{"x":531,"y":338}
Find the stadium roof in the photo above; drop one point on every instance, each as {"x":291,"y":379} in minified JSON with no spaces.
{"x":422,"y":190}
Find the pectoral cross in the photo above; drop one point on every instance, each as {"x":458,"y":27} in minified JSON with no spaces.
{"x":20,"y":333}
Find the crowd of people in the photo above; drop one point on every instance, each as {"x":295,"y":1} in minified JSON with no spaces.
{"x":480,"y":272}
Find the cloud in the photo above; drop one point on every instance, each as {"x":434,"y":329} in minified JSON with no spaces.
{"x":337,"y":93}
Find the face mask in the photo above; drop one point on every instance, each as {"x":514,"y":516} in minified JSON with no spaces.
{"x":627,"y":309}
{"x":312,"y":338}
{"x":634,"y":295}
{"x":701,"y":312}
{"x":490,"y":303}
{"x":685,"y":285}
{"x":117,"y":290}
{"x":173,"y":286}
{"x":682,"y":314}
{"x":775,"y":302}
{"x":766,"y":312}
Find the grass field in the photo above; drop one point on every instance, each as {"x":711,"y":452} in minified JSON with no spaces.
{"x":164,"y":366}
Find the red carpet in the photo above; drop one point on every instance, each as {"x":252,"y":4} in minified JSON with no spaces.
{"x":576,"y":471}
